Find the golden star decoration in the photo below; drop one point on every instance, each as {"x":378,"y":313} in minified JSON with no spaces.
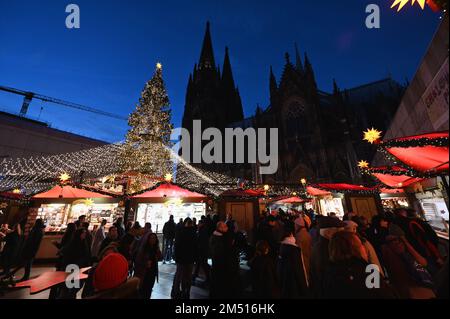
{"x":168,"y":177}
{"x":64,"y":177}
{"x":159,"y":66}
{"x":363,"y":164}
{"x":16,"y":191}
{"x":372,"y":135}
{"x":402,"y":3}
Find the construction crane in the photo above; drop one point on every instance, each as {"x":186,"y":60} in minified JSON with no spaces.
{"x":28,"y":96}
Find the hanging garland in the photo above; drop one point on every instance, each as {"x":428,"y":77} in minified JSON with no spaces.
{"x":417,"y":142}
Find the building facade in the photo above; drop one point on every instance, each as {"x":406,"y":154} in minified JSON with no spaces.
{"x":319,"y":133}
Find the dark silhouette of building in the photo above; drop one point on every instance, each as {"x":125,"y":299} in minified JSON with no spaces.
{"x":319,"y":133}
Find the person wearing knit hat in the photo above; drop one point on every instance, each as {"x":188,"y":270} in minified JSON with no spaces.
{"x":111,"y":272}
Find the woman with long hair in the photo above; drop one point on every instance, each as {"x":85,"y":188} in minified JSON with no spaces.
{"x":146,"y":264}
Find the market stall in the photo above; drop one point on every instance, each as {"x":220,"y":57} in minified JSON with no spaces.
{"x":64,"y":204}
{"x":158,"y":203}
{"x":244,"y":207}
{"x":343,"y":197}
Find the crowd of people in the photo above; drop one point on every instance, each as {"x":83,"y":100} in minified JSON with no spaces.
{"x":291,"y":255}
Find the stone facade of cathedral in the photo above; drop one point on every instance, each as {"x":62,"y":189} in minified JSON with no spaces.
{"x":319,"y":133}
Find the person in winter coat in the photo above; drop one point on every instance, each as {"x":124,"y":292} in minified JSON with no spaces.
{"x":120,"y":227}
{"x":378,"y":231}
{"x":320,"y":259}
{"x":372,"y":257}
{"x":225,"y":265}
{"x":113,"y":236}
{"x":146,"y":264}
{"x":263,"y":273}
{"x":99,"y":236}
{"x":169,"y":230}
{"x":346,"y":276}
{"x":11,"y":250}
{"x":77,"y":252}
{"x":202,"y":251}
{"x":405,"y":267}
{"x":88,"y":289}
{"x":290,"y":268}
{"x":31,"y":247}
{"x":185,"y":255}
{"x":304,"y":241}
{"x":266,"y":231}
{"x":111,"y":281}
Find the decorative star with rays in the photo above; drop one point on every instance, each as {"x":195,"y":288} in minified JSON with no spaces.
{"x":64,"y":177}
{"x":372,"y":135}
{"x":402,"y":3}
{"x":363,"y":164}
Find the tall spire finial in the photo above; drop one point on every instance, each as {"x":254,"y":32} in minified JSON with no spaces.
{"x":207,"y":54}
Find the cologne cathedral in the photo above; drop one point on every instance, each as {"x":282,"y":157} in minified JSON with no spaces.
{"x":319,"y":133}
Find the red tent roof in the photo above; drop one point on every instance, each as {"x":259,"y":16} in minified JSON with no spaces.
{"x":169,"y":190}
{"x":69,"y":192}
{"x":395,"y":179}
{"x":242,"y":193}
{"x":290,"y":200}
{"x":421,"y":158}
{"x":316,"y":192}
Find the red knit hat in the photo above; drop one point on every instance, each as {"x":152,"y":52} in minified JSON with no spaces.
{"x":111,"y":272}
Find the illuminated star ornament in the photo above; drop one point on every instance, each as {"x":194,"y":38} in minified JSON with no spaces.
{"x":363,"y":164}
{"x":372,"y":135}
{"x":64,"y":177}
{"x":168,"y":177}
{"x":402,"y":3}
{"x":159,"y":66}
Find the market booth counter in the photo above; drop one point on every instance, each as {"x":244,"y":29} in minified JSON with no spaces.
{"x":62,"y":205}
{"x":156,"y":204}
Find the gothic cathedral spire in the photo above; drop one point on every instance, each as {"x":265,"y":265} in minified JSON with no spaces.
{"x":207,"y":53}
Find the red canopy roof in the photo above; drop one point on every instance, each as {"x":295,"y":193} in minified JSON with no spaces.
{"x":242,"y":193}
{"x":395,"y":179}
{"x":425,"y":159}
{"x":316,"y":192}
{"x":69,"y":192}
{"x":290,"y":200}
{"x":169,"y":190}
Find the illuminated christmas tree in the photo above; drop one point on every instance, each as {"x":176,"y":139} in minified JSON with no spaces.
{"x":145,"y":150}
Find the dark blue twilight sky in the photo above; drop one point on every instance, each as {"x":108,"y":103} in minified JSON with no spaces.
{"x":106,"y":63}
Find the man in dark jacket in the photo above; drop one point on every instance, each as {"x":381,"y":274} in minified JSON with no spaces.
{"x":112,"y":236}
{"x":320,"y":259}
{"x":225,"y":281}
{"x":290,"y":268}
{"x":266,"y":231}
{"x":30,"y":248}
{"x":202,"y":250}
{"x":169,"y":230}
{"x":185,"y":250}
